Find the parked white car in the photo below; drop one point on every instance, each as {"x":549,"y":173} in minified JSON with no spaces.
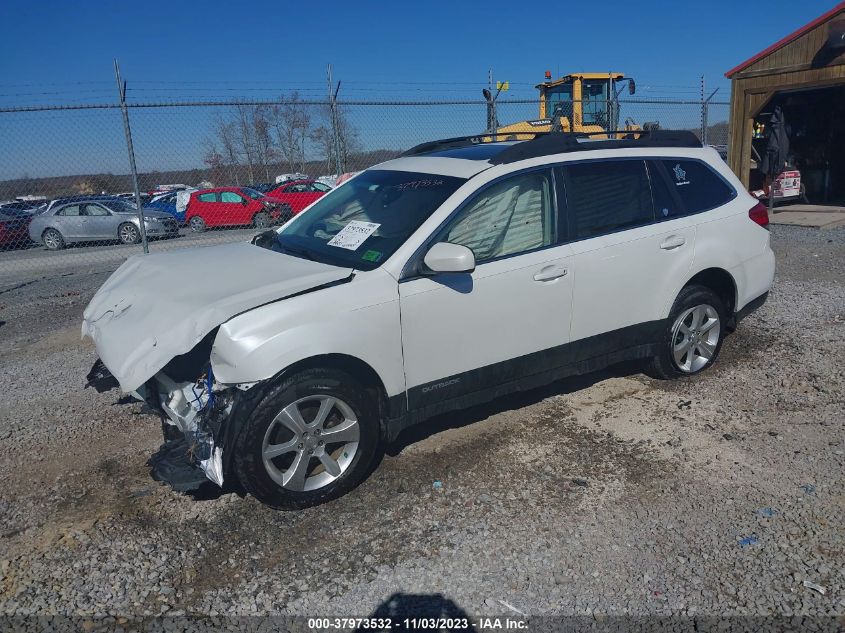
{"x":452,"y":275}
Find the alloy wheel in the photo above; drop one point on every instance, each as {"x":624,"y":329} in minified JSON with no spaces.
{"x":310,"y":443}
{"x":695,"y":337}
{"x":52,"y":240}
{"x":128,"y":234}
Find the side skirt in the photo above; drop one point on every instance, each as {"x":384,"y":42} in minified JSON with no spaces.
{"x":481,"y":385}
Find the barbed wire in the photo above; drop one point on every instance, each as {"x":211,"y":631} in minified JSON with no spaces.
{"x":317,"y":102}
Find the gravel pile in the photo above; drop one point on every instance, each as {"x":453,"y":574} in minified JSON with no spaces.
{"x":610,"y":494}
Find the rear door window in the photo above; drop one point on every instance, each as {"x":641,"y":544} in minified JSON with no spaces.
{"x":605,"y":196}
{"x":72,"y":210}
{"x":697,"y":185}
{"x":230,"y":196}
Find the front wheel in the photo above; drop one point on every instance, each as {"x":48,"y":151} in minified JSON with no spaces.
{"x":312,"y":438}
{"x":693,"y":337}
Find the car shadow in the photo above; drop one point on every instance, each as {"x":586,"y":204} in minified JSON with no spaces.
{"x":519,"y":400}
{"x":407,"y":611}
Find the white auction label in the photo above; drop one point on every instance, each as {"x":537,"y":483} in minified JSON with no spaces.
{"x":353,"y":234}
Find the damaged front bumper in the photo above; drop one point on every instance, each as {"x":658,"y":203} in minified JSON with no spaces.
{"x":197,"y":410}
{"x":194,"y":416}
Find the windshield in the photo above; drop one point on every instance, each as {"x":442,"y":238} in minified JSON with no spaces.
{"x":363,"y":222}
{"x":252,"y":193}
{"x":559,"y":97}
{"x":119,"y":206}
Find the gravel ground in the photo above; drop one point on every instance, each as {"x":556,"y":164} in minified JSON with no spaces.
{"x":610,"y":494}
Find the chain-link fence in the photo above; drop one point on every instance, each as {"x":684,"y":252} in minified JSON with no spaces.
{"x":67,"y":194}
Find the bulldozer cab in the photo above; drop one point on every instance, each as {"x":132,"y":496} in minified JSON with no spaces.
{"x":580,"y":102}
{"x":587,"y":101}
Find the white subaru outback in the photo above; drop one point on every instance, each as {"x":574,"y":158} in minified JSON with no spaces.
{"x":461,"y":271}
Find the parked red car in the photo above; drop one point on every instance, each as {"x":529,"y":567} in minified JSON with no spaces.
{"x":14,"y":227}
{"x":234,"y":206}
{"x":299,"y":193}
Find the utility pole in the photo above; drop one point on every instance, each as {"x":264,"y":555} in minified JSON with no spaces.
{"x":490,"y":98}
{"x":493,"y":120}
{"x":121,"y":91}
{"x":338,"y":162}
{"x":703,"y":115}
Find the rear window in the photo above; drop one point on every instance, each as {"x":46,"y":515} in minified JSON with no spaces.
{"x":606,"y":196}
{"x":697,"y":185}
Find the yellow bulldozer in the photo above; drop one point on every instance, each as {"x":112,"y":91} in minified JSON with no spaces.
{"x":580,"y":102}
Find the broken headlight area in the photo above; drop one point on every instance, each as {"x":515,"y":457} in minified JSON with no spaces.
{"x":194,"y":414}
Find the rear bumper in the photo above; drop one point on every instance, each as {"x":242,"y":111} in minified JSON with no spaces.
{"x":751,"y":306}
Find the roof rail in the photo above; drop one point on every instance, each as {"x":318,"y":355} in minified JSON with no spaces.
{"x":545,"y":143}
{"x":446,"y":143}
{"x":559,"y":142}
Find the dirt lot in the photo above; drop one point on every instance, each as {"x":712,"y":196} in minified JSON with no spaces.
{"x":609,"y":494}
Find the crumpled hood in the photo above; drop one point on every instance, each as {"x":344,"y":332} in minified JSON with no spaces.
{"x":158,"y":306}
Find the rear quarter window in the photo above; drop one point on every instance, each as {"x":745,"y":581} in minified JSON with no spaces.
{"x":697,"y":186}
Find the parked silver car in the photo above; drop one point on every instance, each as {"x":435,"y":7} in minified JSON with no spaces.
{"x":97,"y":219}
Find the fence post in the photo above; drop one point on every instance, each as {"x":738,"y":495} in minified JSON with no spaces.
{"x":705,"y":111}
{"x":121,"y":91}
{"x":338,"y":163}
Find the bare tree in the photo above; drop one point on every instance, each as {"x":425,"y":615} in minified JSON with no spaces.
{"x":216,"y":163}
{"x":226,"y":133}
{"x":291,"y":124}
{"x":264,"y":151}
{"x":348,"y":141}
{"x":245,"y":137}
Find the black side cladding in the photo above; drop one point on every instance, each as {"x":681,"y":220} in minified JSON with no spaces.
{"x":100,"y":378}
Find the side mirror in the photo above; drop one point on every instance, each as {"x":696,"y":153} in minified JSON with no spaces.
{"x":244,"y":201}
{"x":445,"y":257}
{"x":265,"y":239}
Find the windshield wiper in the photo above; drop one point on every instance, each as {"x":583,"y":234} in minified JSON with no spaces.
{"x":298,"y":252}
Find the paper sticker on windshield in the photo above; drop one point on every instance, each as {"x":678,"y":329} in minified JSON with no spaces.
{"x":353,"y":234}
{"x":371,"y":256}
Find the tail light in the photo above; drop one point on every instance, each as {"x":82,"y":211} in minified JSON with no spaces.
{"x":759,"y":214}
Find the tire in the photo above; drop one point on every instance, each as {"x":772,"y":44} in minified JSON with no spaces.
{"x":53,"y":240}
{"x":272,"y":476}
{"x":197,"y":224}
{"x":128,"y":233}
{"x":261,"y":220}
{"x":695,"y":305}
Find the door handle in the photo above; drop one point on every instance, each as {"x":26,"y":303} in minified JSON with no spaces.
{"x":550,"y":272}
{"x":672,"y":242}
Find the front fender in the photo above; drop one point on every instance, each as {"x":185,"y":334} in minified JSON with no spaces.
{"x":359,"y":319}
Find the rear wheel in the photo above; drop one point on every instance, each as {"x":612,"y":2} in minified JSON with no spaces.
{"x":53,"y":240}
{"x":693,"y":337}
{"x":261,"y":220}
{"x":128,"y":233}
{"x":197,"y":224}
{"x":312,"y":438}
